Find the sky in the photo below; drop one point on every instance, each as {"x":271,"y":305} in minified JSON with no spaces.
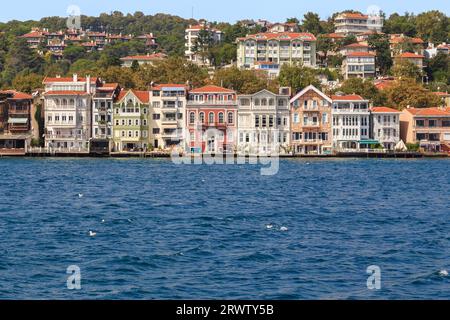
{"x":215,"y":10}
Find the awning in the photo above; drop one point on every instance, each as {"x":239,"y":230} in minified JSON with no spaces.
{"x":18,"y":120}
{"x":368,"y":142}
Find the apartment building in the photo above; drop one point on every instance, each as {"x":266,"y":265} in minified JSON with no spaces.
{"x":167,"y":116}
{"x":398,"y":43}
{"x":283,"y":27}
{"x":359,"y":65}
{"x":385,"y":126}
{"x":311,"y":122}
{"x":356,"y":23}
{"x":131,"y":121}
{"x":212,"y":120}
{"x":351,"y":123}
{"x":263,"y":123}
{"x":428,"y":127}
{"x":142,"y":59}
{"x":416,"y":59}
{"x":102,"y":117}
{"x":67,"y":108}
{"x":192,"y":35}
{"x":278,"y":48}
{"x":15,"y":122}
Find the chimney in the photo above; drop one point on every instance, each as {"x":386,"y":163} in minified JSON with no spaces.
{"x":75,"y":77}
{"x":88,"y":84}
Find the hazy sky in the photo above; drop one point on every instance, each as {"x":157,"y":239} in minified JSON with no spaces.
{"x":213,"y":10}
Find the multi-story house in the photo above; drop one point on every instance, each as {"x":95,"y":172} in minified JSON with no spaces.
{"x":416,"y":59}
{"x":167,"y":116}
{"x":192,"y":44}
{"x":131,"y":121}
{"x":429,"y":127}
{"x":211,"y":114}
{"x":385,"y":126}
{"x":283,"y":27}
{"x":399,"y":42}
{"x":263,"y":123}
{"x":278,"y":48}
{"x":354,"y":47}
{"x":355,"y":23}
{"x":15,"y":122}
{"x":351,"y":123}
{"x":36,"y":37}
{"x":102,"y":117}
{"x":67,"y":105}
{"x":142,"y":59}
{"x":432,"y":50}
{"x":311,"y":122}
{"x":359,"y":65}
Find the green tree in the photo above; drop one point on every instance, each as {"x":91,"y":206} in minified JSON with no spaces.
{"x":380,"y":44}
{"x":432,"y":26}
{"x":297,"y":77}
{"x":397,"y":24}
{"x":27,"y":83}
{"x":203,"y":44}
{"x":74,"y":52}
{"x":325,"y":45}
{"x":407,"y":92}
{"x":311,"y":23}
{"x":438,"y":68}
{"x":406,"y":69}
{"x":244,"y":81}
{"x":364,"y":88}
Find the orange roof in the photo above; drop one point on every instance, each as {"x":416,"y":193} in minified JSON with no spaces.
{"x":18,"y":95}
{"x":351,"y":97}
{"x":408,"y":55}
{"x":442,"y":94}
{"x":357,"y":45}
{"x":350,"y":15}
{"x":212,"y":89}
{"x":399,"y":39}
{"x":334,"y":35}
{"x":168,"y":85}
{"x":428,"y":112}
{"x":360,"y":54}
{"x":65,"y":93}
{"x":109,"y":85}
{"x":281,"y":36}
{"x":34,"y":34}
{"x":147,"y":57}
{"x":384,"y":110}
{"x":384,"y":84}
{"x":142,"y":96}
{"x":67,"y":79}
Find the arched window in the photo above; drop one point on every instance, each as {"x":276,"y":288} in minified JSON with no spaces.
{"x":64,"y":102}
{"x":57,"y":102}
{"x":221,"y":118}
{"x":257,"y":102}
{"x":192,"y":118}
{"x":202,"y":117}
{"x":230,"y":117}
{"x":72,"y":102}
{"x":271,"y":102}
{"x":211,"y":117}
{"x":264,"y":102}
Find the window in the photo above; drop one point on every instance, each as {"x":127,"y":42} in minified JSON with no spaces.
{"x":257,"y":121}
{"x":202,"y":117}
{"x":231,"y":118}
{"x":271,"y":121}
{"x":257,"y":102}
{"x":264,"y":121}
{"x":432,"y":123}
{"x":221,"y":117}
{"x":192,"y":118}
{"x":156,"y":130}
{"x":324,"y":118}
{"x":420,"y":123}
{"x":211,"y":117}
{"x":157,"y":116}
{"x":296,"y":118}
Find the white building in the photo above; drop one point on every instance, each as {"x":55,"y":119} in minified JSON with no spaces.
{"x":67,"y":105}
{"x":277,"y":48}
{"x":191,"y":37}
{"x":357,"y":23}
{"x":433,"y":50}
{"x":351,"y":123}
{"x":359,"y":65}
{"x":263,"y":123}
{"x":167,"y":115}
{"x":385,"y":123}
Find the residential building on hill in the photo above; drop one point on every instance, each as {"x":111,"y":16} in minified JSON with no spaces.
{"x":131,"y":121}
{"x":142,"y":59}
{"x":356,"y":23}
{"x":385,"y":126}
{"x":263,"y":123}
{"x":416,"y":59}
{"x":193,"y":43}
{"x":67,"y":108}
{"x":212,"y":115}
{"x":311,"y":122}
{"x":278,"y":48}
{"x":359,"y":65}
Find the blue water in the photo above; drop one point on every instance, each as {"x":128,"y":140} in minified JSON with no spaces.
{"x":201,"y":232}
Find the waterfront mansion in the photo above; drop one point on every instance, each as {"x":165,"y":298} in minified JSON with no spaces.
{"x":83,"y":115}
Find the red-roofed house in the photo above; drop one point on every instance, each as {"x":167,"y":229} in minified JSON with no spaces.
{"x":355,"y":23}
{"x":15,"y":122}
{"x":279,"y":48}
{"x":191,"y":36}
{"x":385,"y":126}
{"x":283,"y":27}
{"x":359,"y":64}
{"x":212,"y":120}
{"x":142,"y":59}
{"x":398,"y":41}
{"x":429,"y":127}
{"x":414,"y":58}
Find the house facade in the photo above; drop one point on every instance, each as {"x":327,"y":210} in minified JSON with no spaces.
{"x":356,"y":23}
{"x":263,"y":123}
{"x":428,"y":127}
{"x":278,"y":48}
{"x":127,"y":62}
{"x":351,"y":123}
{"x":211,"y":114}
{"x":67,"y":105}
{"x":311,"y":122}
{"x":414,"y":58}
{"x":191,"y":39}
{"x":131,"y":121}
{"x":385,"y":126}
{"x":359,"y":65}
{"x":167,"y":116}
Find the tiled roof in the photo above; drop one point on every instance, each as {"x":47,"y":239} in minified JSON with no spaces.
{"x":360,"y":54}
{"x":384,"y":110}
{"x":351,"y":97}
{"x":280,"y":36}
{"x":168,"y":85}
{"x":429,"y":112}
{"x":148,"y":57}
{"x":34,"y":34}
{"x":211,"y":89}
{"x":399,"y":39}
{"x":442,"y":94}
{"x":66,"y":93}
{"x":384,"y":84}
{"x":18,"y":95}
{"x":143,"y":96}
{"x":349,"y":15}
{"x":335,"y":35}
{"x":357,"y":45}
{"x":410,"y":55}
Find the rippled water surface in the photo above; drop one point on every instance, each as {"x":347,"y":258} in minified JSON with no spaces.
{"x":226,"y":232}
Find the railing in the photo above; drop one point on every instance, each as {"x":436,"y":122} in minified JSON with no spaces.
{"x":18,"y":112}
{"x":53,"y":150}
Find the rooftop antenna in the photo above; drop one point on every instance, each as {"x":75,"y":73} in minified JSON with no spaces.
{"x":192,"y":12}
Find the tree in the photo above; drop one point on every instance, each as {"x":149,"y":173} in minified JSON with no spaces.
{"x":84,"y":67}
{"x":364,"y":88}
{"x":325,"y":45}
{"x":406,"y":69}
{"x":380,"y":44}
{"x":397,"y":24}
{"x":203,"y":44}
{"x":27,"y":83}
{"x":222,"y":54}
{"x":407,"y":92}
{"x":438,"y":68}
{"x":297,"y":77}
{"x":74,"y":52}
{"x":432,"y":26}
{"x":244,"y":81}
{"x":311,"y":23}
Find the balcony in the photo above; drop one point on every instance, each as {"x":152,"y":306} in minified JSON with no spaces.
{"x":18,"y":112}
{"x":311,"y":124}
{"x":172,"y":122}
